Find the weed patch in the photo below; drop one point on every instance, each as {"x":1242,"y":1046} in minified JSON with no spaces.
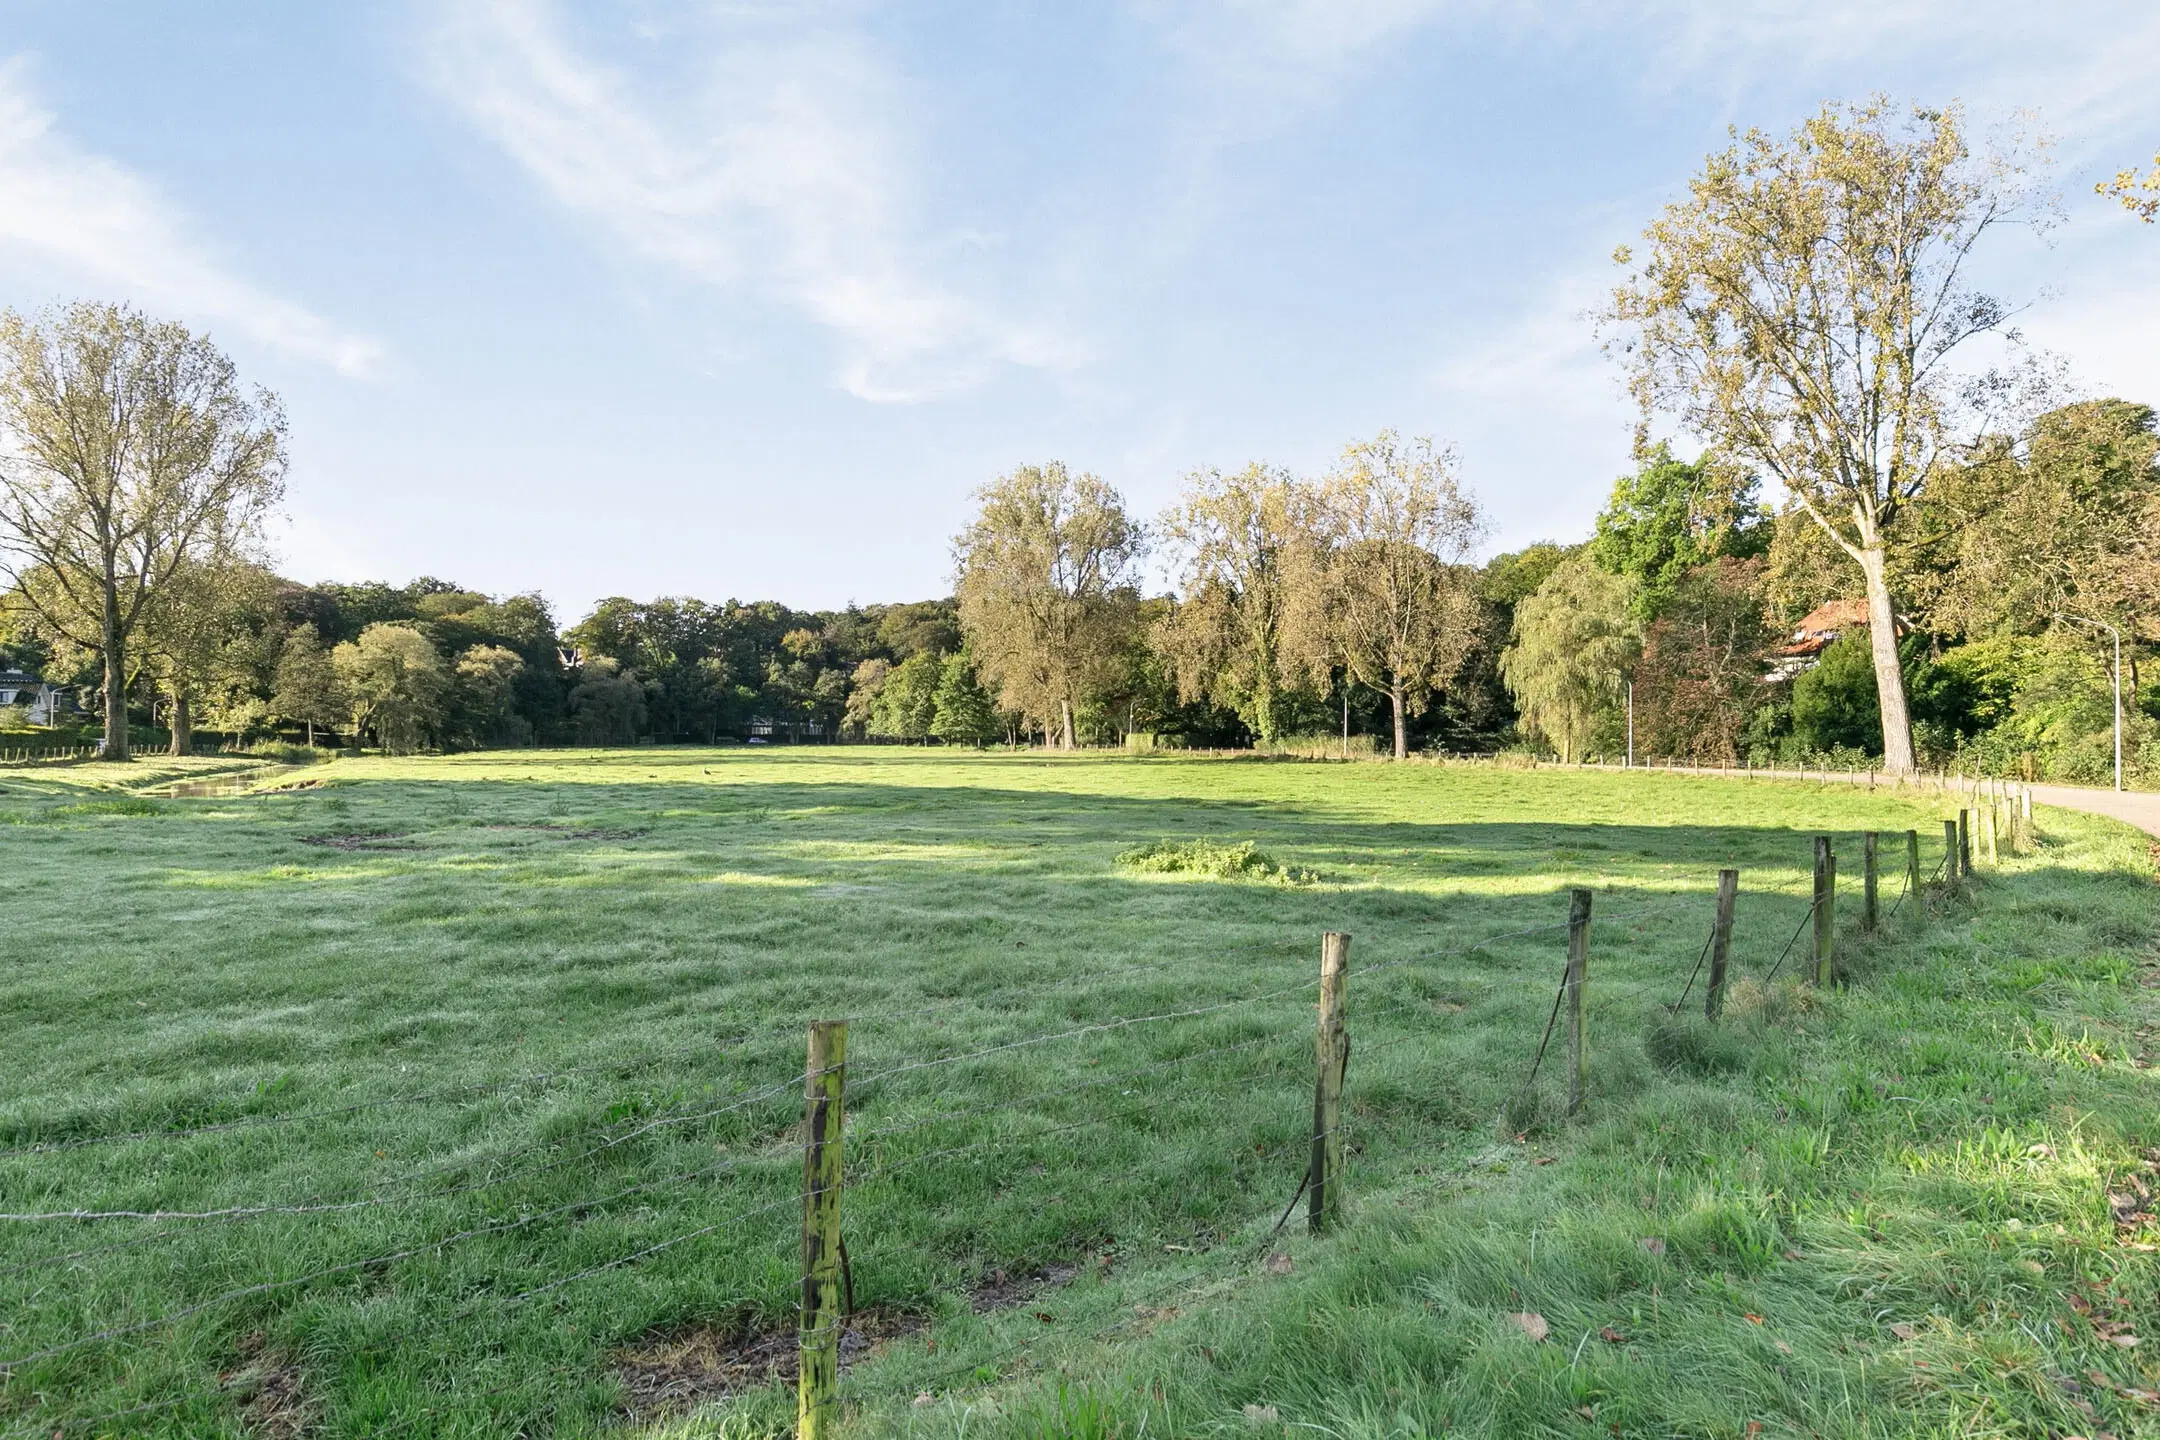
{"x":1211,"y":859}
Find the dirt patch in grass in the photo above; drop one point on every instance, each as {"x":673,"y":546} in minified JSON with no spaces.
{"x":679,"y":1371}
{"x":361,"y":840}
{"x":564,"y":832}
{"x":272,"y":1390}
{"x":676,"y":1372}
{"x":999,"y":1291}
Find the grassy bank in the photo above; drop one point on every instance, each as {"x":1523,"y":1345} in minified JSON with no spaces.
{"x":516,"y":1020}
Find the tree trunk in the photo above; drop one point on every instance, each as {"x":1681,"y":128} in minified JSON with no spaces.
{"x":1402,"y":735}
{"x":183,"y":723}
{"x":116,"y":726}
{"x":1889,"y":675}
{"x":311,"y":734}
{"x":1066,"y":739}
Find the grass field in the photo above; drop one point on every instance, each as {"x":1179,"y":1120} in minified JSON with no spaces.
{"x":499,"y":1056}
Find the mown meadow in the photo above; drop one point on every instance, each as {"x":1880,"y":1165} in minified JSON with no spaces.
{"x":466,"y":1090}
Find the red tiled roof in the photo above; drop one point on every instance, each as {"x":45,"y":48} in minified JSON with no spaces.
{"x":1832,"y":616}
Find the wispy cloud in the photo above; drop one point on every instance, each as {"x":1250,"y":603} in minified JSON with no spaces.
{"x":778,"y":172}
{"x":90,"y":217}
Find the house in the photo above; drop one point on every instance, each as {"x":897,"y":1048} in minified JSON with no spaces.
{"x":1814,"y":634}
{"x":20,"y":687}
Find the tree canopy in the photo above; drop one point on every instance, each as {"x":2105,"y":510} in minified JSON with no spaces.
{"x":1800,"y":310}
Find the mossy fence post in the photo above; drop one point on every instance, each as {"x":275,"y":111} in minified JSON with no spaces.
{"x":1825,"y":902}
{"x":1964,"y":843}
{"x":1728,"y":889}
{"x":1870,"y":881}
{"x":1912,"y":870}
{"x":1332,"y":1050}
{"x":817,"y":1387}
{"x":1950,"y":852}
{"x":1578,"y":966}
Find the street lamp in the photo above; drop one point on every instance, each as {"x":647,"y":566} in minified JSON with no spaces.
{"x":2117,"y":634}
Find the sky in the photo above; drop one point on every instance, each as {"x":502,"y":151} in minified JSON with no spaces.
{"x":745,"y":299}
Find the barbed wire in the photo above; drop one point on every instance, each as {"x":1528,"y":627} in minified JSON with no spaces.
{"x":1797,"y":931}
{"x":982,"y":1000}
{"x":9,"y":1366}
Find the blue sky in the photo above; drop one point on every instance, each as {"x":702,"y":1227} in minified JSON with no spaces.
{"x":745,"y":298}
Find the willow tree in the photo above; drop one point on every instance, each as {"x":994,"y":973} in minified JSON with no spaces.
{"x":1386,"y":594}
{"x":128,"y":451}
{"x":1800,"y":310}
{"x":1045,"y":584}
{"x":1574,"y":644}
{"x":1236,"y":541}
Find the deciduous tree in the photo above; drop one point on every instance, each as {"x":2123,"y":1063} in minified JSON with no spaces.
{"x":1672,"y":516}
{"x":1574,"y":644}
{"x":189,"y":625}
{"x":1800,"y":310}
{"x":2065,"y":521}
{"x":1045,"y":588}
{"x":2140,"y":197}
{"x":962,"y":713}
{"x":1237,"y":540}
{"x":308,"y":692}
{"x":396,"y":684}
{"x":131,"y":449}
{"x":1387,"y":595}
{"x":1701,"y":673}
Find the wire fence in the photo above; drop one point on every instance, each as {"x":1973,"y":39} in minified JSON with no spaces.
{"x":1225,"y":1051}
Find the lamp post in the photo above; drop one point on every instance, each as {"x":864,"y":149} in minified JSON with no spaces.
{"x":2117,"y":677}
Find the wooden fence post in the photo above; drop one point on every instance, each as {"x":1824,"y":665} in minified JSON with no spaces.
{"x":1825,"y":893}
{"x":1964,"y":844}
{"x":1728,"y":888}
{"x":1912,"y":871}
{"x":1987,"y":833}
{"x":1332,"y":1044}
{"x":1578,"y":967}
{"x":817,"y":1388}
{"x":1870,"y":880}
{"x":1950,"y":852}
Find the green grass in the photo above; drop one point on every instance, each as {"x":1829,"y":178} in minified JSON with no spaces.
{"x":1906,"y":1180}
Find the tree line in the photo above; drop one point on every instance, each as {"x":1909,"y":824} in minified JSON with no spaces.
{"x":1804,"y":316}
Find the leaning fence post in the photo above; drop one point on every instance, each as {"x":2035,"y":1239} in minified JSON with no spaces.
{"x":1578,"y":965}
{"x":1825,"y":892}
{"x":1964,"y":843}
{"x":1870,"y":880}
{"x":818,"y":1331}
{"x":1912,"y":871}
{"x":1332,"y":1044}
{"x":1728,"y":887}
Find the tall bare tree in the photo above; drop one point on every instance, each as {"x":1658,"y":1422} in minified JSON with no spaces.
{"x":128,"y":449}
{"x":1045,"y":588}
{"x":1387,"y":596}
{"x":1237,"y":540}
{"x":1800,"y":308}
